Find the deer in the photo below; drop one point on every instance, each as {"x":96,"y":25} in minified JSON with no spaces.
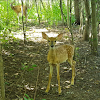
{"x":57,"y":55}
{"x":18,"y":9}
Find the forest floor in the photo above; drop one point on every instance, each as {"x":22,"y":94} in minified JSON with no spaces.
{"x":26,"y":68}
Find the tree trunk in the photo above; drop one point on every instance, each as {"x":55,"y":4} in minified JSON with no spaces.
{"x":76,"y":8}
{"x":2,"y":84}
{"x":7,"y":21}
{"x":81,"y":17}
{"x":37,"y":11}
{"x":23,"y":24}
{"x":43,"y":5}
{"x":99,"y":28}
{"x":87,"y":22}
{"x":98,"y":15}
{"x":68,"y":13}
{"x":61,"y":12}
{"x":71,"y":21}
{"x":94,"y":28}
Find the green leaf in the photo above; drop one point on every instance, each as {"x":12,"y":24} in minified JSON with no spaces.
{"x":26,"y":66}
{"x":31,"y":69}
{"x":27,"y":95}
{"x":25,"y":98}
{"x":77,"y":48}
{"x":22,"y":68}
{"x":34,"y":65}
{"x":6,"y":83}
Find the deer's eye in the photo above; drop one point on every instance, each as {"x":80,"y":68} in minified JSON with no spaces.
{"x":55,"y":41}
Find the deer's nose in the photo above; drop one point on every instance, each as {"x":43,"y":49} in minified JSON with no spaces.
{"x":52,"y":46}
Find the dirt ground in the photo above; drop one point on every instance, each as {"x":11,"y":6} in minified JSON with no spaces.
{"x":26,"y":70}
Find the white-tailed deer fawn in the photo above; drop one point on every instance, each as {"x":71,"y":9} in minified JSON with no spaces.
{"x":57,"y":55}
{"x":18,"y":9}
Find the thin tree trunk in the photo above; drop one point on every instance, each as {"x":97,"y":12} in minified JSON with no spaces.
{"x":76,"y":8}
{"x":23,"y":24}
{"x":68,"y":13}
{"x":7,"y":14}
{"x":81,"y":17}
{"x":87,"y":22}
{"x":71,"y":21}
{"x":62,"y":14}
{"x":99,"y":28}
{"x":37,"y":11}
{"x":94,"y":28}
{"x":43,"y":5}
{"x":98,"y":15}
{"x":2,"y":84}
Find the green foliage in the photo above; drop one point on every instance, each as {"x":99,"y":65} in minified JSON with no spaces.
{"x":50,"y":14}
{"x":32,"y":13}
{"x":6,"y":83}
{"x":77,"y":48}
{"x":8,"y":17}
{"x":1,"y":25}
{"x":28,"y":68}
{"x":26,"y":97}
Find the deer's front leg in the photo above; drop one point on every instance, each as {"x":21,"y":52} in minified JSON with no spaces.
{"x":50,"y":76}
{"x":58,"y":78}
{"x":73,"y":72}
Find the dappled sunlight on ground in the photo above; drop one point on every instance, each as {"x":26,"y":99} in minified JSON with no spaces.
{"x":34,"y":34}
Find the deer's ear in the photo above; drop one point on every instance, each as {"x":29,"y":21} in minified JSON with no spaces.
{"x":44,"y":36}
{"x":59,"y":37}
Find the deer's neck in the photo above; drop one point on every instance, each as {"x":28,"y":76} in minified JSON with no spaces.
{"x":52,"y":51}
{"x":52,"y":56}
